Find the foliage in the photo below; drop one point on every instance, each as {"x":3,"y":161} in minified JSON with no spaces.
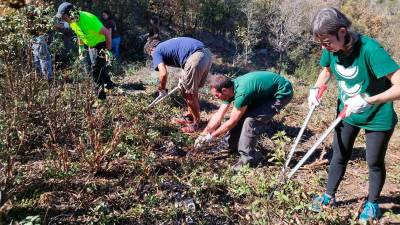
{"x":31,"y":220}
{"x":67,"y":162}
{"x":280,"y":140}
{"x":379,"y":20}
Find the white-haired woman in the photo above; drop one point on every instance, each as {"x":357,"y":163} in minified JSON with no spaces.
{"x":368,"y":80}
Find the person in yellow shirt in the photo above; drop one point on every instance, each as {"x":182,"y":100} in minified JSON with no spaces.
{"x":93,"y":34}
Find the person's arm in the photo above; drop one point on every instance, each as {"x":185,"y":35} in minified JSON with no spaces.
{"x":163,"y":75}
{"x":391,"y":94}
{"x":236,"y":115}
{"x":106,"y":32}
{"x":216,"y":119}
{"x":323,"y":77}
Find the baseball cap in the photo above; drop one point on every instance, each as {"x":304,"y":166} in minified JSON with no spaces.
{"x":64,"y":8}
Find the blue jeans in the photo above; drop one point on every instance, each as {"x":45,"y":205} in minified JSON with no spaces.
{"x":115,"y":47}
{"x":42,"y":56}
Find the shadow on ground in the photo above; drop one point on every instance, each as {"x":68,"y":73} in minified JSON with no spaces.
{"x":135,"y":86}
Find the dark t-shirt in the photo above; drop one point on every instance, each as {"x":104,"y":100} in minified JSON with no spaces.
{"x":175,"y":51}
{"x":255,"y":88}
{"x":110,"y":24}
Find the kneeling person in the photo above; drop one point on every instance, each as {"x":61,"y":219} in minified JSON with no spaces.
{"x":256,"y":97}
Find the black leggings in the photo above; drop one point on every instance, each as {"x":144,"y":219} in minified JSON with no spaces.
{"x":100,"y":71}
{"x":377,"y":143}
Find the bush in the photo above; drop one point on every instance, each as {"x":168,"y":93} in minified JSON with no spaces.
{"x":378,"y":19}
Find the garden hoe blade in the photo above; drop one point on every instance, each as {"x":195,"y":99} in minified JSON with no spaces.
{"x":160,"y":98}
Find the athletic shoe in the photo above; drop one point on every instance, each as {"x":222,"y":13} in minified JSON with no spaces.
{"x":322,"y":201}
{"x":371,"y":211}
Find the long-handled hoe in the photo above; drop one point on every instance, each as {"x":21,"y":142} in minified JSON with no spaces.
{"x":283,"y":178}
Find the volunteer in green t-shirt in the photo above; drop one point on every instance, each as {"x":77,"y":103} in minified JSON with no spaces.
{"x":368,"y":82}
{"x":92,"y":33}
{"x":256,"y":97}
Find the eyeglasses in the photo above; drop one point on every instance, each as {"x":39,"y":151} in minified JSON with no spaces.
{"x":323,"y":43}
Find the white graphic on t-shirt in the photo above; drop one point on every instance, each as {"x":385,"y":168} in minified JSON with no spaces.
{"x":347,"y":73}
{"x":350,"y":91}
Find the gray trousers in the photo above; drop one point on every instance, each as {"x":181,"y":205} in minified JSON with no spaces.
{"x":42,"y":56}
{"x":243,"y":137}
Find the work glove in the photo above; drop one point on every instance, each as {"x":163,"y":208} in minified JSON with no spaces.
{"x":81,"y":51}
{"x":202,"y":140}
{"x":356,"y":104}
{"x":312,"y":98}
{"x":109,"y":57}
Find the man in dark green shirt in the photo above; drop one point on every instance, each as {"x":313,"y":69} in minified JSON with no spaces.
{"x":256,"y":97}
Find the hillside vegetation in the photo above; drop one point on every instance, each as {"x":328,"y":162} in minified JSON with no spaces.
{"x":63,"y":161}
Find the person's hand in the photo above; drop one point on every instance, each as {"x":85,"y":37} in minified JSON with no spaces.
{"x":202,"y":140}
{"x":109,"y":56}
{"x":356,"y":104}
{"x":162,"y":93}
{"x":312,"y":98}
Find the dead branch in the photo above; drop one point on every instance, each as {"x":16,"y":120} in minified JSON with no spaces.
{"x":316,"y":164}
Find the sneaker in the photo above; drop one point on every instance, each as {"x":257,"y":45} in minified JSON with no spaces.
{"x":114,"y":91}
{"x":322,"y":201}
{"x":239,"y":165}
{"x":371,"y":211}
{"x":101,"y":94}
{"x":258,"y":157}
{"x":108,"y":91}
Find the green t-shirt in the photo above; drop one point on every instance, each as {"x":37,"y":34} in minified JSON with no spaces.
{"x":254,"y":88}
{"x":87,"y":28}
{"x":364,"y":71}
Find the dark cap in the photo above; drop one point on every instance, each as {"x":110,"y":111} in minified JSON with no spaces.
{"x":151,"y":44}
{"x":64,"y":8}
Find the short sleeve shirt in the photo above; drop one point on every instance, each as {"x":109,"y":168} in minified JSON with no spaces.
{"x":174,"y":52}
{"x":110,"y":24}
{"x":87,"y":28}
{"x":257,"y":87}
{"x":364,"y":71}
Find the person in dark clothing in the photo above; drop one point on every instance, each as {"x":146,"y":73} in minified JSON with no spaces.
{"x":109,"y":23}
{"x":67,"y":36}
